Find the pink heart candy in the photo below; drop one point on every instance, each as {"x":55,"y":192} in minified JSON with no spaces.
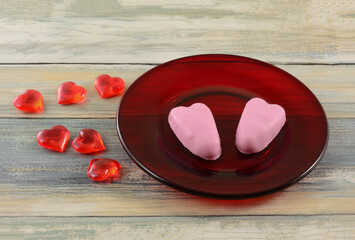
{"x":258,"y":126}
{"x":196,"y":129}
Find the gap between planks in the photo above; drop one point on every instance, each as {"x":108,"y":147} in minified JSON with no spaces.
{"x":186,"y":216}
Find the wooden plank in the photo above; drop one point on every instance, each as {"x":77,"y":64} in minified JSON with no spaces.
{"x":156,"y":31}
{"x":38,"y":182}
{"x":46,"y":79}
{"x":333,"y":85}
{"x":265,"y":227}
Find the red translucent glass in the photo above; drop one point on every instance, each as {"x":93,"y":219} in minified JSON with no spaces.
{"x":108,"y":86}
{"x":69,"y":93}
{"x":224,"y":83}
{"x":55,"y":139}
{"x":31,"y":101}
{"x":88,"y":141}
{"x":103,"y":169}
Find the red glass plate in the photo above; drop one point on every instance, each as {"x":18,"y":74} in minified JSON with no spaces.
{"x":224,"y":83}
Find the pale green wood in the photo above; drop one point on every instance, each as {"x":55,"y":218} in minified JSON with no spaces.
{"x":181,"y":228}
{"x":333,"y":85}
{"x":38,"y":182}
{"x":124,"y":31}
{"x":54,"y":186}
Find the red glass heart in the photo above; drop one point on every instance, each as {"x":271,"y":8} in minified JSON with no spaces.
{"x":104,"y":170}
{"x":69,"y":93}
{"x":88,"y":141}
{"x":54,"y":139}
{"x":30,"y":101}
{"x":108,"y":86}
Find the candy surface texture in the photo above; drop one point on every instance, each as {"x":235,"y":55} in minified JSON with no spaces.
{"x":258,"y":126}
{"x":196,"y":129}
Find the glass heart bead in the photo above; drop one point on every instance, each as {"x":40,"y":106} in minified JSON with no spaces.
{"x":69,"y":93}
{"x":104,"y":170}
{"x":108,"y":86}
{"x":88,"y":141}
{"x":31,"y":101}
{"x":54,"y":139}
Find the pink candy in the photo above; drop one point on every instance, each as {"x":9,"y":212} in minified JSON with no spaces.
{"x":196,"y":129}
{"x":258,"y":126}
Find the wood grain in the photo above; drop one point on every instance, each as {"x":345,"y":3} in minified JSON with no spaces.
{"x":265,"y":227}
{"x":38,"y":182}
{"x":47,"y":195}
{"x":333,"y":85}
{"x":125,"y":31}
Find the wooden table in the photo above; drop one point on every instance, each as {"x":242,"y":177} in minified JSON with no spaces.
{"x":47,"y":195}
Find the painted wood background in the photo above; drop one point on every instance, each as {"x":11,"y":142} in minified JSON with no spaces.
{"x":47,"y":195}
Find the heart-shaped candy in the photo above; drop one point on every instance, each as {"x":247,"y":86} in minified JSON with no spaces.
{"x":258,"y":126}
{"x":104,"y":170}
{"x":196,"y":129}
{"x":69,"y":93}
{"x":88,"y":141}
{"x":54,"y":139}
{"x":30,"y":101}
{"x":108,"y":86}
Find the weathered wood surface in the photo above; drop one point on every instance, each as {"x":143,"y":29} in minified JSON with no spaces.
{"x":47,"y":195}
{"x":333,"y":85}
{"x":38,"y":182}
{"x":125,"y":31}
{"x":180,"y":228}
